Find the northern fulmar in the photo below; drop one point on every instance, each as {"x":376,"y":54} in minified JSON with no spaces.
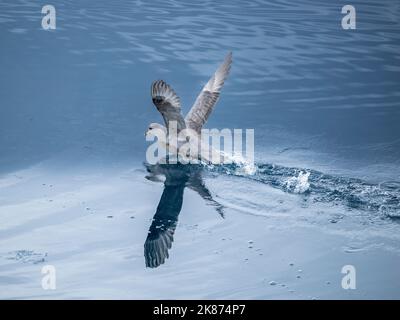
{"x":168,"y":104}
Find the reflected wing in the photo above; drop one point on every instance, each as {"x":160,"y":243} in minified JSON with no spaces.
{"x":161,"y":233}
{"x":167,"y":103}
{"x":197,"y":184}
{"x":208,"y":97}
{"x":156,"y":249}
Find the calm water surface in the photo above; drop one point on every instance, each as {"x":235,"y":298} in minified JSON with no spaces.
{"x":75,"y":103}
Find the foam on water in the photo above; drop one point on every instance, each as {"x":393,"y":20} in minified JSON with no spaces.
{"x":244,"y":166}
{"x":236,"y":164}
{"x":300,"y":183}
{"x":383,"y":198}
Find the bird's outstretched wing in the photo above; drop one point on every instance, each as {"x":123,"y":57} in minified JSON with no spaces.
{"x":197,"y":184}
{"x":208,"y":97}
{"x":167,"y":103}
{"x":161,"y":232}
{"x":156,"y":248}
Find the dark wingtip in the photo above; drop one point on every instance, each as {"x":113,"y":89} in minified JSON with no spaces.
{"x":156,"y":84}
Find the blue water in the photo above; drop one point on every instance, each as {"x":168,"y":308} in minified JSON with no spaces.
{"x":322,"y":100}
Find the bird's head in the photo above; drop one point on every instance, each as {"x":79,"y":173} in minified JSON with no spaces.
{"x":154,"y":129}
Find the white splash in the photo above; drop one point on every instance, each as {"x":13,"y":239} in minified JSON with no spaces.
{"x":300,"y":183}
{"x":244,"y":167}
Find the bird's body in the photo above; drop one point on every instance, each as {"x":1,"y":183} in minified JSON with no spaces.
{"x":168,"y":104}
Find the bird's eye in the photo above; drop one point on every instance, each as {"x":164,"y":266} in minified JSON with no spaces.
{"x":150,"y":128}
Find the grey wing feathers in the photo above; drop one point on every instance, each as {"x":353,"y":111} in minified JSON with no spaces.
{"x":167,"y":103}
{"x":156,"y":250}
{"x":208,"y":97}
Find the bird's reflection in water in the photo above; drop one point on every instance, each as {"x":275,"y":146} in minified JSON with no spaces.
{"x":161,"y":233}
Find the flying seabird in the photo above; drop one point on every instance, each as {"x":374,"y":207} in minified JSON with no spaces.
{"x":168,"y":103}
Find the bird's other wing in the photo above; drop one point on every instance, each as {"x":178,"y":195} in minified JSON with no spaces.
{"x":167,"y":103}
{"x":208,"y":97}
{"x":197,"y":184}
